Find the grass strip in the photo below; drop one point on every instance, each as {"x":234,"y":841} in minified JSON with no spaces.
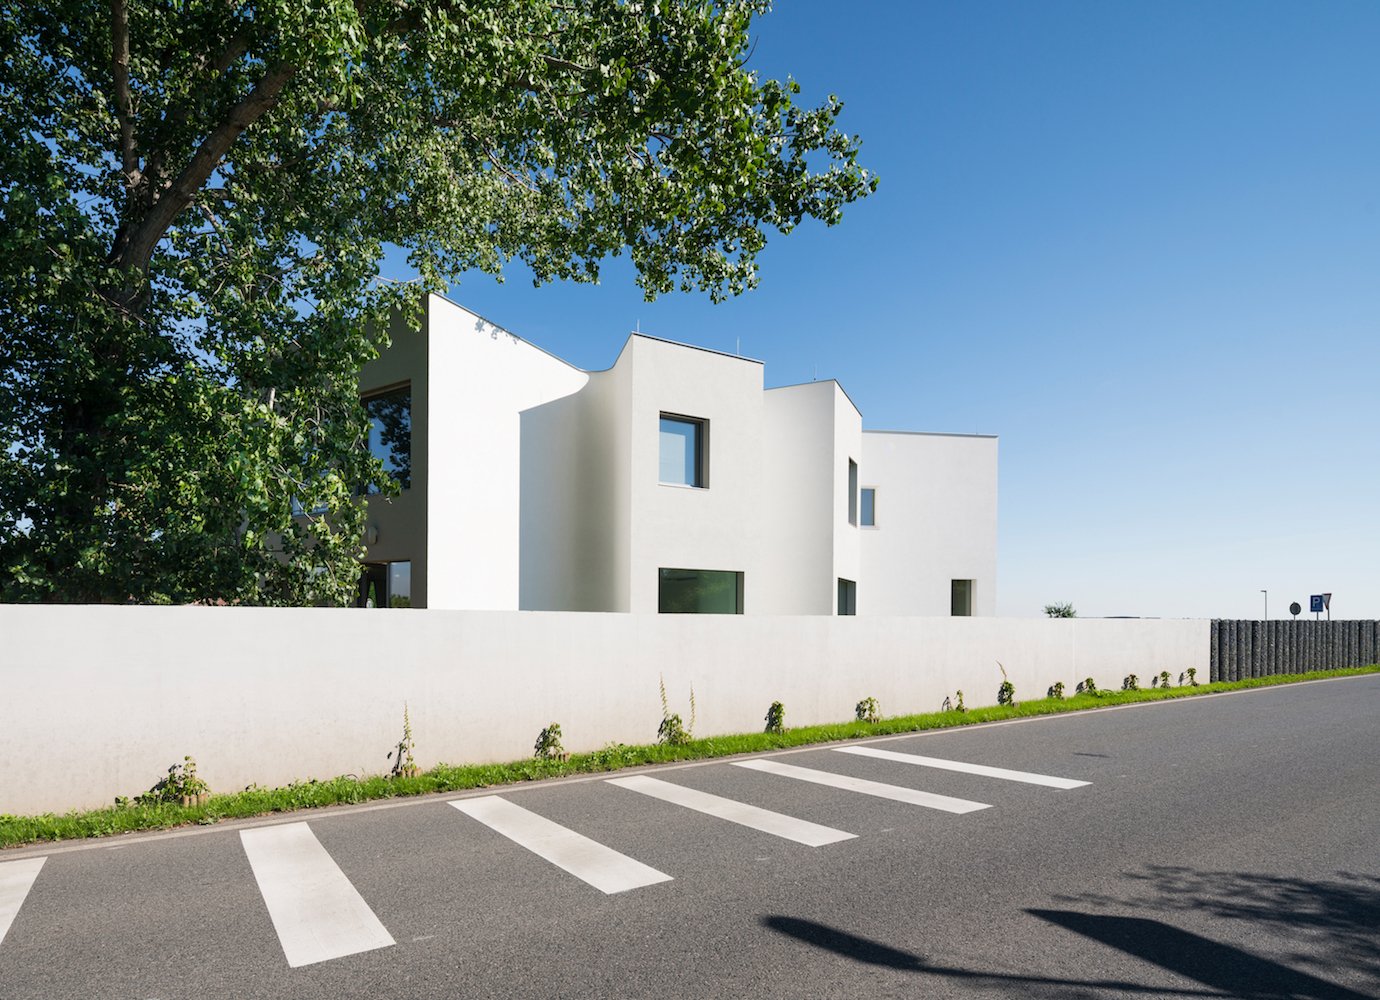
{"x":16,"y":830}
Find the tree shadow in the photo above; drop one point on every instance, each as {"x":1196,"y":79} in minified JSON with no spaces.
{"x":1337,"y":918}
{"x":1234,"y":972}
{"x":1222,"y":970}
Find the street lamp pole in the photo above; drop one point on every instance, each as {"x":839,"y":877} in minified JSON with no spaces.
{"x":1267,"y":604}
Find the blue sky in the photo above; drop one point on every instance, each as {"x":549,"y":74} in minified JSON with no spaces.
{"x":1140,"y":242}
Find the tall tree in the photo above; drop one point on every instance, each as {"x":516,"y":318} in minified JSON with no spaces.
{"x":194,"y":199}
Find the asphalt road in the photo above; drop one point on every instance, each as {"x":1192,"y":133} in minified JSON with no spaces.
{"x":1223,"y":846}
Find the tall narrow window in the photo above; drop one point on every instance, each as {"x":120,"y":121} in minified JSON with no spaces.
{"x":682,"y":451}
{"x":390,"y":433}
{"x":848,"y":597}
{"x":852,"y":492}
{"x":699,"y":592}
{"x":869,"y":507}
{"x":960,"y":598}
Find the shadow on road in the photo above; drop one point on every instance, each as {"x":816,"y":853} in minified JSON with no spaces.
{"x":1221,"y":967}
{"x":1225,"y":971}
{"x":1334,"y":923}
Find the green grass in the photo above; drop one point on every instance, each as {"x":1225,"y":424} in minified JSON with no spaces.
{"x":16,"y":830}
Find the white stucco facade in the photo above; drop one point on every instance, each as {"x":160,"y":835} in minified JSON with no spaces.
{"x":538,"y":486}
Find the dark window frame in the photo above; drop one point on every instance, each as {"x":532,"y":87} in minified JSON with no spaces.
{"x":701,"y":446}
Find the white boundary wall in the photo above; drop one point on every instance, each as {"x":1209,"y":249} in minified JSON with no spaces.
{"x":98,"y":701}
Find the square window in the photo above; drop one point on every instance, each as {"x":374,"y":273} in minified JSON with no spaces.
{"x":869,"y":507}
{"x":683,"y":441}
{"x":699,"y":592}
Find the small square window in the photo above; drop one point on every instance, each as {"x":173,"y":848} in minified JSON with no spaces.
{"x":869,"y":507}
{"x":683,"y":441}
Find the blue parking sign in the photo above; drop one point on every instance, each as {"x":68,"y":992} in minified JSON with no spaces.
{"x":1315,"y":603}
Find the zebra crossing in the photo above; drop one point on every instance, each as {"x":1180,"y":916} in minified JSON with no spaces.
{"x":318,"y":915}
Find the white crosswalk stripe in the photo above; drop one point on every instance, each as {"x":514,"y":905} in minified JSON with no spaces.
{"x":778,"y":824}
{"x":16,"y":879}
{"x":600,"y":866}
{"x":955,"y":765}
{"x":895,"y":792}
{"x":316,"y":910}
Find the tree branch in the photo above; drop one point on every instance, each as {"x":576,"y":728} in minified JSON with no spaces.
{"x":179,"y":194}
{"x":124,"y":105}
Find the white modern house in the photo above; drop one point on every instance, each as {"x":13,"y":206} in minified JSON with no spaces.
{"x":672,"y":481}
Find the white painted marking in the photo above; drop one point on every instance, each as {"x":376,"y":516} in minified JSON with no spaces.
{"x":317,"y":912}
{"x":778,"y":824}
{"x":600,"y":866}
{"x":895,"y":792}
{"x":956,"y":765}
{"x":16,"y":879}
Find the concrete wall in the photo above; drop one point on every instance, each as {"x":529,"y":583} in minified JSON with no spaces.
{"x":686,"y":527}
{"x":848,"y":446}
{"x":481,"y":379}
{"x":797,"y":519}
{"x":936,"y":522}
{"x":100,"y":700}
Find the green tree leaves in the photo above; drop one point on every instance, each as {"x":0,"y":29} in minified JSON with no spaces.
{"x":195,"y":196}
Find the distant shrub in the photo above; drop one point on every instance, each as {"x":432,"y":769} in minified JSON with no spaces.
{"x":1131,"y":683}
{"x":1056,"y":690}
{"x":1087,"y":686}
{"x":867,"y":710}
{"x":776,"y":718}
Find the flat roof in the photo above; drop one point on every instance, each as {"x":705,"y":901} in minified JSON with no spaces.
{"x":942,"y":434}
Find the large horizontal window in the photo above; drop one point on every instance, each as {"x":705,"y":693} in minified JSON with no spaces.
{"x":699,"y":592}
{"x":682,"y":459}
{"x":390,"y":433}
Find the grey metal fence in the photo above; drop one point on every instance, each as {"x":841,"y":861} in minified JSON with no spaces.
{"x":1242,"y":649}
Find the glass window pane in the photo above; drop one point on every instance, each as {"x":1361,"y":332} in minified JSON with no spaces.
{"x":390,"y":433}
{"x":869,"y":508}
{"x":852,"y":492}
{"x":961,"y":598}
{"x":699,"y":592}
{"x":680,"y":452}
{"x":848,"y":597}
{"x":400,"y":585}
